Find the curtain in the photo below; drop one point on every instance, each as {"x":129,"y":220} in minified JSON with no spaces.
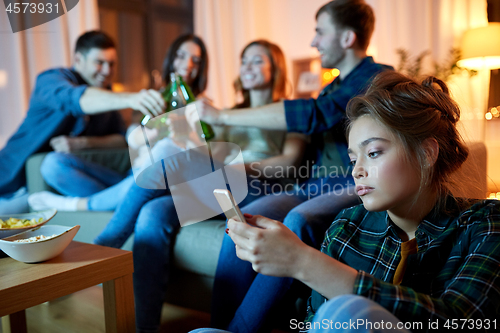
{"x":414,"y":25}
{"x":27,"y":53}
{"x":435,"y":26}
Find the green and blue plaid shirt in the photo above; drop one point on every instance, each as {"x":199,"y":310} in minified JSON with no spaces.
{"x":455,"y":273}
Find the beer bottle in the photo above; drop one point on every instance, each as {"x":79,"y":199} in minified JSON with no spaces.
{"x":177,"y":95}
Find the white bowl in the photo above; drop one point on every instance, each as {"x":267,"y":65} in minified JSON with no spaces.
{"x":40,"y":250}
{"x":46,"y":215}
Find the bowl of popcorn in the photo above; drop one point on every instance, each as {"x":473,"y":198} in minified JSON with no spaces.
{"x":38,"y":244}
{"x":15,"y":223}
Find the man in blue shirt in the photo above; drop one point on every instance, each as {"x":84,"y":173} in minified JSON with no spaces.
{"x":243,"y":299}
{"x":69,"y":110}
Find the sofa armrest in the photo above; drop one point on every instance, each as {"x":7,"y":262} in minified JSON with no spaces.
{"x":116,"y":159}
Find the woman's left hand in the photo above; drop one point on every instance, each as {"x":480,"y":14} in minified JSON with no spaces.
{"x":183,"y":130}
{"x":268,"y":245}
{"x":208,"y":112}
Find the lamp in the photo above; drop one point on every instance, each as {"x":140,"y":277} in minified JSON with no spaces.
{"x":481,"y":48}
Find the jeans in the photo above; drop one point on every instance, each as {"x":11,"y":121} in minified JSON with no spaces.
{"x":154,"y":236}
{"x":122,"y":224}
{"x":14,"y":203}
{"x":73,"y":176}
{"x":343,"y":314}
{"x":109,"y":198}
{"x":152,"y":216}
{"x":243,"y":299}
{"x":339,"y":314}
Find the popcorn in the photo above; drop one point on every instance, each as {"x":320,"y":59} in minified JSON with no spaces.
{"x":33,"y":239}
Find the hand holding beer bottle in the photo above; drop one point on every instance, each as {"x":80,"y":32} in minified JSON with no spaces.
{"x":178,"y":95}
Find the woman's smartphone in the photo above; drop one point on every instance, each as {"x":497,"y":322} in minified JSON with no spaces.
{"x":228,"y":205}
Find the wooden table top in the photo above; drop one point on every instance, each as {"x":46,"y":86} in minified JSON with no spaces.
{"x":80,"y":266}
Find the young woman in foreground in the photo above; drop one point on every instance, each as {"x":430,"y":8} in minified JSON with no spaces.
{"x":412,"y":255}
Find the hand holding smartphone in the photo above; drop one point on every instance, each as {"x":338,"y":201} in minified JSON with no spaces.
{"x":228,"y":205}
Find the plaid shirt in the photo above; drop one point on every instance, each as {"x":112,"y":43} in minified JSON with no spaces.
{"x":455,"y":274}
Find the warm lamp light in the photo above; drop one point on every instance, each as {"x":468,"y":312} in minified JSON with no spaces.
{"x":117,"y":87}
{"x":481,"y":48}
{"x":329,"y":75}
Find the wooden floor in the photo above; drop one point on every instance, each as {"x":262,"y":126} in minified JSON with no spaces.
{"x":83,"y":312}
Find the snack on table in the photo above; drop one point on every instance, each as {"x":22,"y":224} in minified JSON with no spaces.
{"x":33,"y":239}
{"x":12,"y":223}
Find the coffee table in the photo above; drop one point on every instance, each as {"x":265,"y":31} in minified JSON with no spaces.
{"x":80,"y":266}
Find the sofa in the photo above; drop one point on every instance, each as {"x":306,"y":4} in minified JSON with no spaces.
{"x":197,"y":246}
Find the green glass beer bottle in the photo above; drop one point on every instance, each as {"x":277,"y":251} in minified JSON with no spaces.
{"x":177,"y":95}
{"x":166,"y":93}
{"x":188,"y":95}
